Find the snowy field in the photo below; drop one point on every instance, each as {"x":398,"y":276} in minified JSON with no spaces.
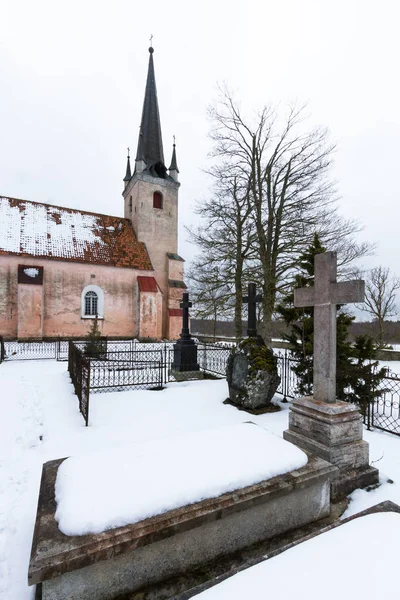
{"x":40,"y":421}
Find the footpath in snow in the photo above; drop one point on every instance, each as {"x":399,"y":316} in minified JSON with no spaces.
{"x":40,"y":421}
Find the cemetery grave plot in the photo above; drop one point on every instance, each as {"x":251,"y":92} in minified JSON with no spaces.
{"x":126,"y":369}
{"x":135,"y":366}
{"x":383,"y":412}
{"x":42,"y":423}
{"x":126,"y":520}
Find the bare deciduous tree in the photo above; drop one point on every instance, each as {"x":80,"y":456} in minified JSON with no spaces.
{"x":226,"y":247}
{"x":212,"y":299}
{"x":281,"y":172}
{"x":380,"y":298}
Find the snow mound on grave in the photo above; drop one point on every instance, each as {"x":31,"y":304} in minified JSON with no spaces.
{"x":123,"y":486}
{"x":328,"y":567}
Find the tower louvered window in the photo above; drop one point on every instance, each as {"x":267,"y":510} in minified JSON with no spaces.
{"x":157,"y":200}
{"x":91,"y":303}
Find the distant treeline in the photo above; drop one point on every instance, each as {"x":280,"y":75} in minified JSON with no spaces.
{"x":226,"y":329}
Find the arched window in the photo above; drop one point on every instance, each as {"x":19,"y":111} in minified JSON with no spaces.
{"x":130,"y":205}
{"x":92,"y":302}
{"x":157,"y":200}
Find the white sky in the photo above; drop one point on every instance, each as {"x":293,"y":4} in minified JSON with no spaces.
{"x":72,"y":79}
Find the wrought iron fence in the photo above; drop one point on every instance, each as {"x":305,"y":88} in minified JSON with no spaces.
{"x":383,"y":411}
{"x":124,"y":370}
{"x":289,"y":381}
{"x":213,"y":358}
{"x":129,"y":364}
{"x":79,"y":370}
{"x":54,"y":350}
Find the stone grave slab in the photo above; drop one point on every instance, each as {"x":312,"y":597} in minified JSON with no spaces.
{"x":128,"y":558}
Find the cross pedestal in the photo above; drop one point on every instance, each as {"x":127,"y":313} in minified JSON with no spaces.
{"x":185,"y":349}
{"x":321,"y":424}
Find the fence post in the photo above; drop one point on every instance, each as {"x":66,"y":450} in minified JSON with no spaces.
{"x":285,"y":372}
{"x":165,"y":370}
{"x":2,"y":349}
{"x":371,"y":396}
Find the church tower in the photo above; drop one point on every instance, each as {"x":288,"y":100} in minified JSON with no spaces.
{"x":151,"y":202}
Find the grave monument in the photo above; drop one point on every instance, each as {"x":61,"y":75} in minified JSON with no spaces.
{"x":321,"y":424}
{"x":252,"y":370}
{"x":185,"y":349}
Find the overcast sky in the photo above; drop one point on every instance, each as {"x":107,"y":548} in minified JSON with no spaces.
{"x":72,"y":77}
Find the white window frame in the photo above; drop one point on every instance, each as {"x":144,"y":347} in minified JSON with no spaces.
{"x":100,"y":302}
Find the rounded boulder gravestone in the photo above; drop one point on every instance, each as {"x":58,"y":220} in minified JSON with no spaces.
{"x":252,"y":374}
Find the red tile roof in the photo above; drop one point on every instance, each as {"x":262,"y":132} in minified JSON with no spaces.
{"x":41,"y":230}
{"x":147,"y":284}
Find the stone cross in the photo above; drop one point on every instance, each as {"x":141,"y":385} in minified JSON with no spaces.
{"x":324,"y":296}
{"x":185,"y":305}
{"x":251,"y":299}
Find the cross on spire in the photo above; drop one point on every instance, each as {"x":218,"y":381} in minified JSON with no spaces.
{"x":252,"y":299}
{"x":324,"y":297}
{"x":151,"y":40}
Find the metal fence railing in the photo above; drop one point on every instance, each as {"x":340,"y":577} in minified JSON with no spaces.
{"x":289,"y":382}
{"x":383,"y":411}
{"x":55,"y":350}
{"x":129,"y":364}
{"x":79,"y":370}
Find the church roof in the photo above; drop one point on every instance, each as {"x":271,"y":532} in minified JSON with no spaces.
{"x":41,"y":230}
{"x":147,"y":284}
{"x":150,"y":146}
{"x":174,"y":164}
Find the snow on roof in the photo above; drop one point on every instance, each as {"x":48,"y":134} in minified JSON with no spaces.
{"x":34,"y":229}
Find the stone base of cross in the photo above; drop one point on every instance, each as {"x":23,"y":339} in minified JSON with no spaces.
{"x":321,"y":424}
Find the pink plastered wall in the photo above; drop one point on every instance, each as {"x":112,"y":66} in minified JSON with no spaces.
{"x":176,"y":269}
{"x":63,"y":283}
{"x":30,"y":311}
{"x":175,"y":327}
{"x":150,"y":310}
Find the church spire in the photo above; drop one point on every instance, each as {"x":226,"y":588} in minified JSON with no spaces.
{"x":150,"y":147}
{"x":173,"y":169}
{"x":128,"y":174}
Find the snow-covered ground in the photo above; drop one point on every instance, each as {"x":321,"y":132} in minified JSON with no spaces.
{"x":330,"y":566}
{"x":40,"y":421}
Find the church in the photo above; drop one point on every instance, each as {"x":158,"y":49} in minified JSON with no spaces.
{"x":61,"y":268}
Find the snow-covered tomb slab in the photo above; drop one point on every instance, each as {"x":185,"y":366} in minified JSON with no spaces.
{"x":110,"y":489}
{"x":120,"y":521}
{"x":343,"y":549}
